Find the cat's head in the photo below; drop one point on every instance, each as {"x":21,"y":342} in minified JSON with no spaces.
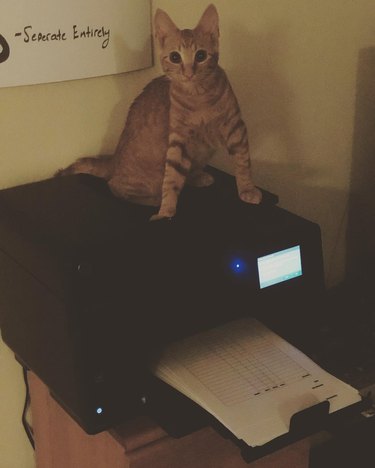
{"x":188,"y":55}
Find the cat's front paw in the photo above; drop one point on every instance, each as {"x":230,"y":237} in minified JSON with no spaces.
{"x":162,"y":215}
{"x":253,"y":196}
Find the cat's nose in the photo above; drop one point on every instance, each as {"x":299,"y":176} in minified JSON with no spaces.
{"x":188,"y":72}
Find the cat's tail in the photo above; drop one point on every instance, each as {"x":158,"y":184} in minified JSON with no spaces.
{"x":101,"y":166}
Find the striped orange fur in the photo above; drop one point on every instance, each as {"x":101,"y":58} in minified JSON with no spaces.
{"x":175,"y":124}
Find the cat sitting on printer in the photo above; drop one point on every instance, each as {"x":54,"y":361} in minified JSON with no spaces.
{"x":175,"y":123}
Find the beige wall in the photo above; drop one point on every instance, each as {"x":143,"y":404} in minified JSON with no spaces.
{"x":293,"y":65}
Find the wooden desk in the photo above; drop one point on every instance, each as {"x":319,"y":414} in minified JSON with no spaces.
{"x":61,"y":443}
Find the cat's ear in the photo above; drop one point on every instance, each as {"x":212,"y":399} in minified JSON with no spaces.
{"x":164,"y":26}
{"x":209,"y":23}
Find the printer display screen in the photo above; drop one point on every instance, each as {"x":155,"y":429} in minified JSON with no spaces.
{"x":279,"y":266}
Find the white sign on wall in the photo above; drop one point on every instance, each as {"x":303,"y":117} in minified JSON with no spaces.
{"x":44,"y":41}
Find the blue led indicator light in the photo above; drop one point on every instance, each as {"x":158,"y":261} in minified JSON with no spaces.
{"x":99,"y":410}
{"x":238,"y":266}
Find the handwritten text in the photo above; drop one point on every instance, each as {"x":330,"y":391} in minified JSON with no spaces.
{"x":29,"y":35}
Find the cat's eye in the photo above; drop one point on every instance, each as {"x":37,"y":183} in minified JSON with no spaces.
{"x":175,"y":57}
{"x":200,"y":56}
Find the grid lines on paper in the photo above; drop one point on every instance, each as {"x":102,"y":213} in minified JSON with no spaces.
{"x":237,"y":369}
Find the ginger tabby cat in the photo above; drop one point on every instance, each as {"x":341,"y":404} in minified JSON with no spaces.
{"x":175,"y":124}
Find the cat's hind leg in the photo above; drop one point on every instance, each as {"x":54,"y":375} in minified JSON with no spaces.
{"x":200,"y":178}
{"x":201,"y":153}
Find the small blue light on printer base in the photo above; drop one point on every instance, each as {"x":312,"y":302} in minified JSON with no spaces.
{"x":99,"y":410}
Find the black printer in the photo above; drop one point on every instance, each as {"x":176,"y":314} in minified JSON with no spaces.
{"x":90,"y":288}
